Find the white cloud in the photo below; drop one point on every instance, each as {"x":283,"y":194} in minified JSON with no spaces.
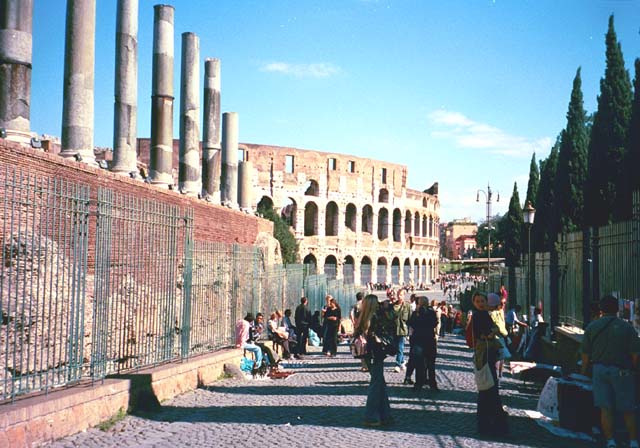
{"x":470,"y":134}
{"x":317,"y":70}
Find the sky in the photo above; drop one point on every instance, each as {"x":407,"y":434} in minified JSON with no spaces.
{"x":463,"y":92}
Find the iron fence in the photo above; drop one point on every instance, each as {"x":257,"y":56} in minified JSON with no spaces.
{"x":42,"y":282}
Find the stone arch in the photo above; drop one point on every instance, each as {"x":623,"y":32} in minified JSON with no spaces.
{"x":407,"y":222}
{"x":311,"y":188}
{"x":310,"y":219}
{"x":416,"y":224}
{"x":430,"y":226}
{"x":289,"y":212}
{"x":330,"y":267}
{"x":397,"y":225}
{"x":265,"y":203}
{"x":365,"y":270}
{"x":350,"y":217}
{"x":431,"y":267}
{"x":383,"y":224}
{"x":416,"y":273}
{"x":331,"y":219}
{"x":425,"y":203}
{"x":383,"y":195}
{"x":311,"y":263}
{"x":367,"y":219}
{"x":348,"y":269}
{"x":381,"y":270}
{"x":395,"y":271}
{"x":406,"y":271}
{"x":424,"y":271}
{"x":424,"y":225}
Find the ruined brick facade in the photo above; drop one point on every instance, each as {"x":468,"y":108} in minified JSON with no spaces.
{"x":352,"y":216}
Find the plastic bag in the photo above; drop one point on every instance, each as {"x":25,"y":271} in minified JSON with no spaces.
{"x":314,"y":340}
{"x":246,"y":364}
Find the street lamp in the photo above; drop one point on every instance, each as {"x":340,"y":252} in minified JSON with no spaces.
{"x":488,"y":194}
{"x":528,"y":215}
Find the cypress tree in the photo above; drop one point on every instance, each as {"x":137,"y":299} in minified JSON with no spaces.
{"x":545,"y":226}
{"x":605,"y":178}
{"x":571,"y":172}
{"x":633,"y":148}
{"x":534,"y":181}
{"x":513,"y":230}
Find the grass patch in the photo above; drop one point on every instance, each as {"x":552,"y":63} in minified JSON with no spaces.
{"x":108,"y":424}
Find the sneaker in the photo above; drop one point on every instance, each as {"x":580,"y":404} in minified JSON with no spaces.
{"x":408,"y":381}
{"x":397,"y":369}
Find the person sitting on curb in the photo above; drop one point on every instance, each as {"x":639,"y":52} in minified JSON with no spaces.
{"x":245,"y":339}
{"x":611,"y":346}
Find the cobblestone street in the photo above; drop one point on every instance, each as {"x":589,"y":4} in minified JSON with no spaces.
{"x":322,"y":404}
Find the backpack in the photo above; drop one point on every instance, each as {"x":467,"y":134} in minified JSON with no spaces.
{"x":468,"y":333}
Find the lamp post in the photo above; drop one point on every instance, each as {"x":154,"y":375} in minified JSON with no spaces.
{"x":528,"y":215}
{"x":488,"y":195}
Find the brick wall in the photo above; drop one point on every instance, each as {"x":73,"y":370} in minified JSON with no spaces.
{"x":211,"y":222}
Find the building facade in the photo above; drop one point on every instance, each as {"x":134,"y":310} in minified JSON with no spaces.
{"x":354,"y":218}
{"x":459,"y":236}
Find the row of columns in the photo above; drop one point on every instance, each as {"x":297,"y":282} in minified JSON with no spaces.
{"x":197,"y":174}
{"x":425,"y":276}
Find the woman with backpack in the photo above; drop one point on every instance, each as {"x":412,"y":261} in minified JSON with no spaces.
{"x":376,"y":324}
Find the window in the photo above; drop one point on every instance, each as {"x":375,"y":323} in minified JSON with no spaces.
{"x":288,"y":164}
{"x":351,"y":166}
{"x":333,"y":163}
{"x":384,"y":175}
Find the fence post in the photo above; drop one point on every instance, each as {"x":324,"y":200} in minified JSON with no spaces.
{"x":554,"y":285}
{"x":588,"y":251}
{"x":595,"y":264}
{"x":187,"y":282}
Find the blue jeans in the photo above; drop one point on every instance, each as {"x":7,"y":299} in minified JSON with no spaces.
{"x":257,"y":351}
{"x":377,"y":408}
{"x":399,"y":342}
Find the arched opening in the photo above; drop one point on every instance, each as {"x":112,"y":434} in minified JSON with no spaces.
{"x":350,"y":216}
{"x":310,"y":219}
{"x":367,"y":219}
{"x":424,"y":271}
{"x":407,"y":222}
{"x":416,"y":224}
{"x":348,"y":269}
{"x":416,"y":272}
{"x":331,"y":219}
{"x":311,"y":188}
{"x":383,"y":224}
{"x":289,"y":212}
{"x":381,"y":270}
{"x":395,"y":271}
{"x":365,"y":271}
{"x":311,"y":263}
{"x":425,"y":204}
{"x":330,"y":267}
{"x":397,"y":225}
{"x":383,"y":195}
{"x":431,"y":268}
{"x":406,"y":272}
{"x":431,"y":227}
{"x":266,"y":203}
{"x":424,"y":225}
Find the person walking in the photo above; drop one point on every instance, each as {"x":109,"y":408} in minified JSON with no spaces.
{"x":332,"y":317}
{"x":402,"y":311}
{"x":373,"y":322}
{"x":610,"y":346}
{"x":302,"y":317}
{"x":423,"y":345}
{"x":354,"y":315}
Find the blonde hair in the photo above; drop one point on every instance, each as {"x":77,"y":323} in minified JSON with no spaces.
{"x":369,"y":307}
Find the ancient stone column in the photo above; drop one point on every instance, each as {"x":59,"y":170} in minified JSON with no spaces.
{"x":126,"y":88}
{"x":161,"y":151}
{"x":189,"y":181}
{"x":245,"y":186}
{"x":211,"y":131}
{"x":229,"y":171}
{"x":79,"y":62}
{"x":16,"y":18}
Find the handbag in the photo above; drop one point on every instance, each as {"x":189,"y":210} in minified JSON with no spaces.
{"x":358,"y":346}
{"x":483,"y":376}
{"x":382,"y":345}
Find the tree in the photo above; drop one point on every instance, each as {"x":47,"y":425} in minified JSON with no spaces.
{"x":571,"y":172}
{"x":633,"y":148}
{"x":534,"y":181}
{"x":605,"y":178}
{"x":497,"y":239}
{"x":513,"y":230}
{"x":281,"y":232}
{"x":546,"y":224}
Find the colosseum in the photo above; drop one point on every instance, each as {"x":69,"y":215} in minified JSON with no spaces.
{"x":354,"y":218}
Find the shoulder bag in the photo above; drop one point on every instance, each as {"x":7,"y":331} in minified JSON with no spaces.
{"x":483,"y":377}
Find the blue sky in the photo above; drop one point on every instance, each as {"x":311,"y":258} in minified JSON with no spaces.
{"x":463,"y":92}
